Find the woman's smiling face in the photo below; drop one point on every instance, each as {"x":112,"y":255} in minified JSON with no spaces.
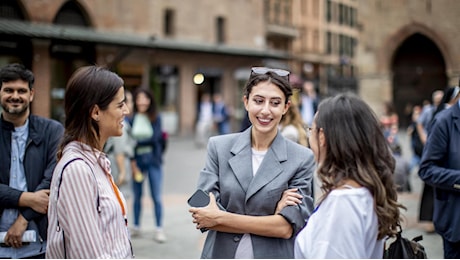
{"x":266,"y":105}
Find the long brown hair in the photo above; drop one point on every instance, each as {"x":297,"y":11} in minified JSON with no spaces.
{"x":357,"y":150}
{"x":87,"y":87}
{"x":293,"y":117}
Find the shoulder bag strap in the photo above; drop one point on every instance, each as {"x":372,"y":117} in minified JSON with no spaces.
{"x":57,"y":197}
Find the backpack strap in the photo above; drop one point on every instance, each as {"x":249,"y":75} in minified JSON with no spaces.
{"x":98,"y":207}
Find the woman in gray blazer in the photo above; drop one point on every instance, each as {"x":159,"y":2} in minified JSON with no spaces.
{"x":259,"y":182}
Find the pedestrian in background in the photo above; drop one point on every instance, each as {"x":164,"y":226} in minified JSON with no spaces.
{"x":262,"y":180}
{"x":389,"y":121}
{"x":205,"y":121}
{"x":221,"y":114}
{"x":87,"y":212}
{"x":402,"y":170}
{"x":416,"y":144}
{"x":120,"y":151}
{"x":27,"y":160}
{"x":359,"y":207}
{"x":308,"y":102}
{"x":440,"y":167}
{"x":146,"y":128}
{"x":422,"y":127}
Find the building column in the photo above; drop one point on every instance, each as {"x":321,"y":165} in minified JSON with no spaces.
{"x":41,"y":68}
{"x":187,"y":101}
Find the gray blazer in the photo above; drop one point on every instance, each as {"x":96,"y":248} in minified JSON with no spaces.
{"x":228,"y":174}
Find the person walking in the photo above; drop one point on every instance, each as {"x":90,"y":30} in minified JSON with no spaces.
{"x":422,"y":127}
{"x":221,"y":114}
{"x":389,"y":121}
{"x":87,"y":212}
{"x":205,"y":121}
{"x":359,"y":208}
{"x":27,"y":160}
{"x":308,"y":102}
{"x":440,"y":168}
{"x":261,"y":179}
{"x":416,"y":144}
{"x":146,"y":128}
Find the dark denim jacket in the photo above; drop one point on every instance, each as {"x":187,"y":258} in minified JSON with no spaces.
{"x":39,"y":162}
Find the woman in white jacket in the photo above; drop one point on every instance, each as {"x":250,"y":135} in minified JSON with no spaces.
{"x":359,"y":208}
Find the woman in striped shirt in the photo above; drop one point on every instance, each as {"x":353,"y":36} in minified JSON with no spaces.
{"x":87,"y":212}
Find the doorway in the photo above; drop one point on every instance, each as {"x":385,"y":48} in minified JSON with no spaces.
{"x":418,"y":69}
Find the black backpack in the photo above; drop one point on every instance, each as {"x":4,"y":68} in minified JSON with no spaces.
{"x":403,"y":248}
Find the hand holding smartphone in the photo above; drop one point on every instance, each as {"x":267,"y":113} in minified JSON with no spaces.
{"x":201,"y":199}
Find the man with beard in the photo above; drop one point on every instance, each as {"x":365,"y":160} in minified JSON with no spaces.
{"x":28,"y":147}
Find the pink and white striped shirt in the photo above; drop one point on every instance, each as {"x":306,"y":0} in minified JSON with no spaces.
{"x":88,"y":233}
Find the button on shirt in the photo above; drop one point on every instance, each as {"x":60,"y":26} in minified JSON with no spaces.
{"x":18,"y":181}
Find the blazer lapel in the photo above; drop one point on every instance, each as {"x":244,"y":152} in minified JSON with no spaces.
{"x":241,"y":162}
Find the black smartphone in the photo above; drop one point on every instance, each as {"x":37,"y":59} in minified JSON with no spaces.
{"x":199,"y":199}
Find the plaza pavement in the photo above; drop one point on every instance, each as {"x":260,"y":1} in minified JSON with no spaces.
{"x":183,"y":162}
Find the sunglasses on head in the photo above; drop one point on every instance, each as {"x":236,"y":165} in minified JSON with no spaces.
{"x":264,"y":70}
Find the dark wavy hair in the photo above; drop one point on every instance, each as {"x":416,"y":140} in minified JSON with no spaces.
{"x":281,"y":82}
{"x":15,"y":71}
{"x":357,"y":150}
{"x":87,"y":87}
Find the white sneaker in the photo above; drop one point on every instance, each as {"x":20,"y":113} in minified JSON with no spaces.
{"x":135,"y":232}
{"x":160,"y":236}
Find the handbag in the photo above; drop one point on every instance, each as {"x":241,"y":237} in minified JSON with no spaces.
{"x":403,"y":248}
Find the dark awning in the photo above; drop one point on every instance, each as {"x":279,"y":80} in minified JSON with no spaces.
{"x":74,"y":34}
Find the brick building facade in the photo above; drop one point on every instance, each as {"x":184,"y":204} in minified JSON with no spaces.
{"x":398,"y":50}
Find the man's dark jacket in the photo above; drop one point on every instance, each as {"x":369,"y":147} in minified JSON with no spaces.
{"x":440,"y":167}
{"x":39,"y":162}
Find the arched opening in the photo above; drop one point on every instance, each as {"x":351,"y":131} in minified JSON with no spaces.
{"x":67,"y":56}
{"x":14,"y":48}
{"x":418,"y":69}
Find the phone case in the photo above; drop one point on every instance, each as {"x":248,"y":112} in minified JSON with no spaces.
{"x":199,"y":199}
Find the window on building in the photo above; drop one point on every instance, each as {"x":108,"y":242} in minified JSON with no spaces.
{"x":345,"y":15}
{"x":353,"y":46}
{"x":328,"y":43}
{"x":341,"y":44}
{"x":341,"y":11}
{"x":352,"y":17}
{"x":10,"y":9}
{"x":220,"y":30}
{"x":168,"y":21}
{"x":328,"y":11}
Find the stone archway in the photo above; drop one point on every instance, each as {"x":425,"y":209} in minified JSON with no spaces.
{"x":418,"y":68}
{"x":408,"y":57}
